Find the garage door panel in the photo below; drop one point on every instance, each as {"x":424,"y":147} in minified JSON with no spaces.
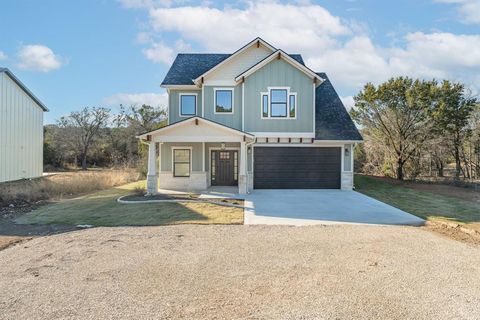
{"x":297,"y":167}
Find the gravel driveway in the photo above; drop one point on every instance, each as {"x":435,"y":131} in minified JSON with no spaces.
{"x":249,"y":272}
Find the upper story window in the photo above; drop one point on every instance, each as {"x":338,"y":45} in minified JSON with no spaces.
{"x":224,"y":100}
{"x":188,"y":104}
{"x":279,"y":103}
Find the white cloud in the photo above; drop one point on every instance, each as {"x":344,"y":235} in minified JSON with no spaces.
{"x":468,"y":9}
{"x":290,"y":27}
{"x":348,"y":102}
{"x":328,"y":43}
{"x":129,"y":99}
{"x":435,"y":55}
{"x":161,"y":53}
{"x":3,"y":56}
{"x":38,"y":58}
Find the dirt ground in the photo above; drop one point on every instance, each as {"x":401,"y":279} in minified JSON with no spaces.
{"x":241,"y":272}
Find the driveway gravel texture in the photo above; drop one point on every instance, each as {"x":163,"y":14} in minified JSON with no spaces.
{"x":241,"y":272}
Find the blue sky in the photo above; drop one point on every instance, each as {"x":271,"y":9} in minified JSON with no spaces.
{"x":73,"y":54}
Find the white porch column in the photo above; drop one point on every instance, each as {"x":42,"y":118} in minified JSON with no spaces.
{"x":242,"y":172}
{"x":152,"y":168}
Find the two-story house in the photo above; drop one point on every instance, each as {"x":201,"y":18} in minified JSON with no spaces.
{"x":258,"y":118}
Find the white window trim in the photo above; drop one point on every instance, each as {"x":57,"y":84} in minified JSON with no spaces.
{"x":268,"y":94}
{"x":215,"y":100}
{"x":180,"y":104}
{"x":173,"y":160}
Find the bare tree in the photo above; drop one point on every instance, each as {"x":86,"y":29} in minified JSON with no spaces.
{"x":85,"y":126}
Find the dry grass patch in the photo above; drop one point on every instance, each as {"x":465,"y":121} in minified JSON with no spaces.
{"x":102,"y":209}
{"x":64,"y":185}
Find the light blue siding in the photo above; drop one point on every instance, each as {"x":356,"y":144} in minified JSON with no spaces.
{"x":347,"y":164}
{"x":174,"y":104}
{"x":166,"y":155}
{"x":278,"y":73}
{"x":232,"y":120}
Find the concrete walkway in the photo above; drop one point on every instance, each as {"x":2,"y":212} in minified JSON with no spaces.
{"x":309,"y":207}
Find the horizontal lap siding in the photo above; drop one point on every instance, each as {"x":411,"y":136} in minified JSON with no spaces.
{"x":21,"y":133}
{"x":297,"y":167}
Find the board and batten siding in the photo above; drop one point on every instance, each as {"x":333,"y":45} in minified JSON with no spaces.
{"x":278,"y":73}
{"x":166,"y":155}
{"x":231,"y":120}
{"x":174,"y":104}
{"x":21,"y":133}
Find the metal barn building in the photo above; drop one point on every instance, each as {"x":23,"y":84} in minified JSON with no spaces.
{"x":21,"y":130}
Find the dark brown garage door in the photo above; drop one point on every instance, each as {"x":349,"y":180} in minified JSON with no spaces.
{"x":296,"y":168}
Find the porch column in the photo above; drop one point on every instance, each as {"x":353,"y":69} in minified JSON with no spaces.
{"x":242,"y":171}
{"x":152,"y":168}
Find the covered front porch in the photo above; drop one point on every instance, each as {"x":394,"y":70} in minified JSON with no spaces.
{"x":195,"y":154}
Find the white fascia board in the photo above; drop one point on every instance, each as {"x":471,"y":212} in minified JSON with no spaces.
{"x":336,"y":141}
{"x":180,"y":86}
{"x":197,"y":139}
{"x":192,"y":119}
{"x":283,"y":134}
{"x":236,"y":53}
{"x":284,"y":56}
{"x":220,"y":83}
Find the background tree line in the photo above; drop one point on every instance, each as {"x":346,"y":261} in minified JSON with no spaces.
{"x":415,"y":128}
{"x":97,"y":137}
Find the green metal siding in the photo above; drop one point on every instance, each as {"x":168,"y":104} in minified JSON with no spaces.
{"x":232,"y":120}
{"x":21,"y":132}
{"x":278,"y":73}
{"x":174,"y":104}
{"x":166,"y":155}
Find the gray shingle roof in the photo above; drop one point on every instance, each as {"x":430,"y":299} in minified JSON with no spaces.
{"x":189,"y":66}
{"x":24,"y":88}
{"x":332,"y":121}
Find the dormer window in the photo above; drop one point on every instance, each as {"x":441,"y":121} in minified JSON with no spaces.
{"x":188,"y":104}
{"x":279,"y":102}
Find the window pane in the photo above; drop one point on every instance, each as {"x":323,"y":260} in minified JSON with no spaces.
{"x":278,"y":95}
{"x":182,"y":155}
{"x":265,"y":105}
{"x":187,"y":105}
{"x":182,"y":170}
{"x":224,"y":101}
{"x":292,"y":106}
{"x":279,"y":110}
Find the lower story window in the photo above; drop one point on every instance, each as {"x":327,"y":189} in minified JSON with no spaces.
{"x":181,"y":162}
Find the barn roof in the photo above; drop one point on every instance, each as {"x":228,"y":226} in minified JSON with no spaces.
{"x":24,"y":87}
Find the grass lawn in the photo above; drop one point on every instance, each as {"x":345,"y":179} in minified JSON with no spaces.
{"x":425,"y":204}
{"x":102,"y":209}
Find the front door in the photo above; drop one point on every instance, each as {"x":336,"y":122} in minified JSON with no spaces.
{"x":224,"y":168}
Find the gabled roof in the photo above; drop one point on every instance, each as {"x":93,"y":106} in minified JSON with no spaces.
{"x":24,"y":88}
{"x":188,"y":66}
{"x":332,"y":121}
{"x":257,"y":41}
{"x":191,"y":119}
{"x":278,"y":54}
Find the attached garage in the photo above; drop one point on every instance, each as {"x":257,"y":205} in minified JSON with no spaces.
{"x":297,"y":167}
